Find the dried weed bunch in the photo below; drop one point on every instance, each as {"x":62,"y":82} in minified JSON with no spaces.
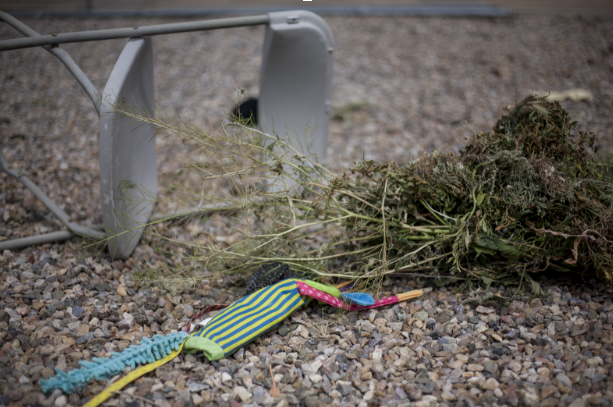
{"x":525,"y":198}
{"x":520,"y":200}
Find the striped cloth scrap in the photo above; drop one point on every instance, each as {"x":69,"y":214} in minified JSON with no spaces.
{"x":257,"y":313}
{"x":246,"y":319}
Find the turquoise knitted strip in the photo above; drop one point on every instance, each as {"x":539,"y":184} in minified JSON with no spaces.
{"x":148,"y":351}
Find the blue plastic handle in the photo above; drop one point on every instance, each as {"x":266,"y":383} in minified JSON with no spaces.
{"x":362,"y":299}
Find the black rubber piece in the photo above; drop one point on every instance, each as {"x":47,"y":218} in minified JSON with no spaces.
{"x":247,"y":110}
{"x":271,"y":273}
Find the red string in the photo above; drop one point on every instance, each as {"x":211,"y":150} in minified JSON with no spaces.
{"x":213,"y":307}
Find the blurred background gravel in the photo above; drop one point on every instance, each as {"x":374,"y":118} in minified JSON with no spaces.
{"x":402,"y":86}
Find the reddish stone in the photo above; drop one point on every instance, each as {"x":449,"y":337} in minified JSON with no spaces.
{"x":510,"y":391}
{"x":540,"y":359}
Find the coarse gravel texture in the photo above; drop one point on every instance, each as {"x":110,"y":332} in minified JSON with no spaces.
{"x":441,"y":349}
{"x":402,"y":86}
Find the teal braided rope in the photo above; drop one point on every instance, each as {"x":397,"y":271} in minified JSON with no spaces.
{"x":148,"y":351}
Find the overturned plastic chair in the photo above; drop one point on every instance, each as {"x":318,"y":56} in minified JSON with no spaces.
{"x":295,"y":85}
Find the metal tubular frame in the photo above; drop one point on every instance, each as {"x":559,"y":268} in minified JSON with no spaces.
{"x":62,"y":55}
{"x":50,"y":43}
{"x":83,"y":36}
{"x":74,"y":228}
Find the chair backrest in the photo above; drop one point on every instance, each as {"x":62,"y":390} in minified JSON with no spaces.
{"x":128,"y":159}
{"x":296,"y":80}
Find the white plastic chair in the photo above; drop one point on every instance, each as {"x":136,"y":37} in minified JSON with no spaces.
{"x":295,"y":85}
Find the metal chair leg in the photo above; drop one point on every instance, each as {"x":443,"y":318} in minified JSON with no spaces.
{"x":75,"y":229}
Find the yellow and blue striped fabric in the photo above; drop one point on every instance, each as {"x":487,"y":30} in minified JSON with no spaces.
{"x":250,"y":317}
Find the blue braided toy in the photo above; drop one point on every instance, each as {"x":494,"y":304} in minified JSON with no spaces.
{"x":103,"y":369}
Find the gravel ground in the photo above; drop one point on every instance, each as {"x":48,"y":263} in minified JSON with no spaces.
{"x":401,"y":86}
